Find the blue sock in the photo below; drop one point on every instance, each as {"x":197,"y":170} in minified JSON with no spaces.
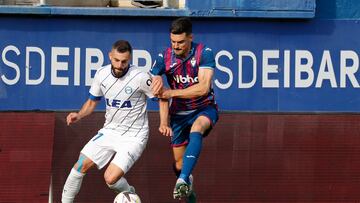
{"x":191,"y":155}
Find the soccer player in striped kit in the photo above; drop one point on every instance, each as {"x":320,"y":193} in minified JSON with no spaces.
{"x":189,"y":69}
{"x":125,"y":132}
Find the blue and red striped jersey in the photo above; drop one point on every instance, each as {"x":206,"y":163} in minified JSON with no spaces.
{"x":183,"y":73}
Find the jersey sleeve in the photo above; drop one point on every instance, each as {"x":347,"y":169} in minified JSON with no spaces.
{"x":145,"y":84}
{"x":207,"y":59}
{"x":95,"y":92}
{"x":158,"y":68}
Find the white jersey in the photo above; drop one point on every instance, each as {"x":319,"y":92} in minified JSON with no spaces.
{"x":125,"y":98}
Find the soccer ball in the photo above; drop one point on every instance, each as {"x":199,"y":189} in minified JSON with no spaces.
{"x":127,"y":197}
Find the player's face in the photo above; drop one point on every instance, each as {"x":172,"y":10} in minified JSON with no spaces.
{"x":181,"y":44}
{"x":119,"y":62}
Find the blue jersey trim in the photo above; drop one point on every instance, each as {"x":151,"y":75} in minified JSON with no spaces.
{"x":94,"y":98}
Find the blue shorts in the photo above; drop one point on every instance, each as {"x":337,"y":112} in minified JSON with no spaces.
{"x":181,"y":124}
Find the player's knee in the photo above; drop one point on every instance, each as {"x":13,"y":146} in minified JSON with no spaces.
{"x":112,"y":174}
{"x":110,"y":179}
{"x":201,"y":125}
{"x":83,"y":164}
{"x":82,"y":169}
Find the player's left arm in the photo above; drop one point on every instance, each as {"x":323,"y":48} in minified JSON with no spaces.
{"x":164,"y":127}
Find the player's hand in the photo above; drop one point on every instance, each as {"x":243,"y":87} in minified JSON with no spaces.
{"x":72,"y":118}
{"x":156,"y":85}
{"x":165,"y":130}
{"x":165,"y":94}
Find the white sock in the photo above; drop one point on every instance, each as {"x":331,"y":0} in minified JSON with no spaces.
{"x":72,"y":186}
{"x":120,"y":185}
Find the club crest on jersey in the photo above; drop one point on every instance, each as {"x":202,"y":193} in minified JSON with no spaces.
{"x":118,"y":103}
{"x":128,"y":90}
{"x":193,"y":62}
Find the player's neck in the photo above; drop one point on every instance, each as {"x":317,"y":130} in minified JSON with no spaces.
{"x":185,"y":55}
{"x":120,"y":75}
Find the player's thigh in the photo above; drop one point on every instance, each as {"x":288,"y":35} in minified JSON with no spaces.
{"x":201,"y":124}
{"x":128,"y":151}
{"x":205,"y":119}
{"x":180,"y":125}
{"x":99,"y":149}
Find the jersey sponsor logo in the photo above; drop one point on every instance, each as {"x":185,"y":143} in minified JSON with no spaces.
{"x":186,"y":79}
{"x":118,"y":103}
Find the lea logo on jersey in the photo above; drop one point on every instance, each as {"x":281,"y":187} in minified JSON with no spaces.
{"x":118,"y":103}
{"x":186,"y":79}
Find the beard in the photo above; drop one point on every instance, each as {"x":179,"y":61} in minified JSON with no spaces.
{"x":118,"y":73}
{"x":179,"y":53}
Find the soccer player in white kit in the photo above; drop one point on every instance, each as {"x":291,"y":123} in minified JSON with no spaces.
{"x":125,"y":132}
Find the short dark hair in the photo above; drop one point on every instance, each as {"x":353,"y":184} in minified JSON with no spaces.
{"x":181,"y":25}
{"x":122,"y":46}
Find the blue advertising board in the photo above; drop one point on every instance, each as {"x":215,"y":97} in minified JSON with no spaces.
{"x":47,"y":63}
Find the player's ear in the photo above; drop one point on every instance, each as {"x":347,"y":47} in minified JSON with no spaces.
{"x":110,"y":55}
{"x":190,"y":36}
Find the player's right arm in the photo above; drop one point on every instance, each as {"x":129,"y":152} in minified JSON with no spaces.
{"x":157,"y":85}
{"x":88,"y":107}
{"x":164,"y":127}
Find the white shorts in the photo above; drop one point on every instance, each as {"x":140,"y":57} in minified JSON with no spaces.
{"x":127,"y":148}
